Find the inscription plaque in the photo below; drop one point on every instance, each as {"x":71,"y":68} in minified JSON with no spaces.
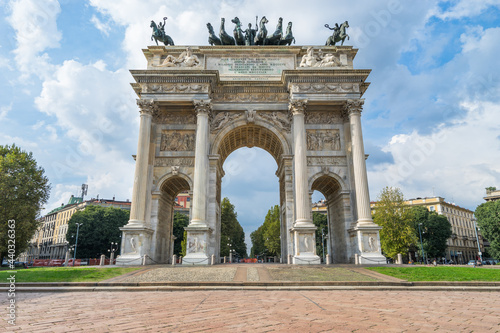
{"x":251,"y":65}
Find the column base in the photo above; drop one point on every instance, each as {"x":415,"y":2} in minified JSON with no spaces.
{"x":196,"y":245}
{"x":305,"y":245}
{"x":136,"y":243}
{"x":368,"y":244}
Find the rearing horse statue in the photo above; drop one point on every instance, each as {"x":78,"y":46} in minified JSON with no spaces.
{"x":159,"y":33}
{"x":339,"y":34}
{"x":237,"y":32}
{"x":275,"y":38}
{"x":224,"y":36}
{"x":260,"y":39}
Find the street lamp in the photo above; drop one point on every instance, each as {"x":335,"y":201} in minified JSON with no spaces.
{"x":76,"y":241}
{"x":421,"y":244}
{"x":476,"y":228}
{"x":323,"y":243}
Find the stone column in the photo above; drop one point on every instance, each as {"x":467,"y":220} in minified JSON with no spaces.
{"x":368,"y":249}
{"x":303,"y":229}
{"x":138,"y":206}
{"x":302,"y":203}
{"x":199,"y":203}
{"x":354,"y":108}
{"x":137,"y":234}
{"x":198,"y":230}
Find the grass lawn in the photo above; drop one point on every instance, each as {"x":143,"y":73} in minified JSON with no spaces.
{"x":65,"y":274}
{"x":440,"y":273}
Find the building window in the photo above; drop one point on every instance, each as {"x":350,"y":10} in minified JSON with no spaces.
{"x":431,"y":208}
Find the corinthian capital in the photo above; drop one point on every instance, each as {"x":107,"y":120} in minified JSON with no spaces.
{"x":298,"y":106}
{"x":147,"y":106}
{"x":202,"y":106}
{"x":354,"y":106}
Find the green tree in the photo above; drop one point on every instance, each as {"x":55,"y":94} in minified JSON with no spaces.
{"x":272,"y":231}
{"x":99,"y":227}
{"x":258,"y":247}
{"x":321,"y":222}
{"x":436,"y":229}
{"x":180,"y":222}
{"x":184,"y":244}
{"x":231,"y":231}
{"x":24,"y":189}
{"x":397,"y":234}
{"x":488,"y":220}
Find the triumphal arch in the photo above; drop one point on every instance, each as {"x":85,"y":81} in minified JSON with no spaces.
{"x":302,"y":105}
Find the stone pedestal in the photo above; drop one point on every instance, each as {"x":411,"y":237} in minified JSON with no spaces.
{"x":196,"y":246}
{"x":305,"y":246}
{"x":369,"y":244}
{"x":136,"y":242}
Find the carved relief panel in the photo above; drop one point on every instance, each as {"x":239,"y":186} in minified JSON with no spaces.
{"x":177,"y":140}
{"x":174,"y":118}
{"x":323,"y":118}
{"x":323,"y":140}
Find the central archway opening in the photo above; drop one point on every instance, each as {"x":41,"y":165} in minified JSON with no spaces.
{"x":251,"y":173}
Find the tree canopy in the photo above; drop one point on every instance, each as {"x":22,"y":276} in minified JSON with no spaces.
{"x":321,"y":222}
{"x":99,"y":227}
{"x":488,"y":220}
{"x":397,"y":234}
{"x":436,"y":229}
{"x":24,"y":189}
{"x":180,"y":222}
{"x":231,"y":231}
{"x":266,"y":239}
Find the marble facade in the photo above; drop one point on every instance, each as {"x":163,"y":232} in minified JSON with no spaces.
{"x":305,"y":112}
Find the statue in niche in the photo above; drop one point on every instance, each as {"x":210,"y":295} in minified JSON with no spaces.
{"x":185,"y":59}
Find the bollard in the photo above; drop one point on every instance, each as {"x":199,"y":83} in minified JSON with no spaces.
{"x":400,"y":259}
{"x":328,"y":261}
{"x":356,"y":259}
{"x":289,"y":259}
{"x":225,"y":258}
{"x":103,"y":260}
{"x":174,"y":260}
{"x":180,"y":260}
{"x":144,"y":260}
{"x":213,"y":259}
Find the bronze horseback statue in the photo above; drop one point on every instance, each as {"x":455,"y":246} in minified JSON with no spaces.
{"x":159,"y":33}
{"x":339,"y":34}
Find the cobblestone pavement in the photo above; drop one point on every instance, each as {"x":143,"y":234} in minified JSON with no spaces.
{"x":256,"y":311}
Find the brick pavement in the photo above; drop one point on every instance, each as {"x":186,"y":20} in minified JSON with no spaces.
{"x":257,"y":311}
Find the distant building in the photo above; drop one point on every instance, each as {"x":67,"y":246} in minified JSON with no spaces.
{"x":492,"y":194}
{"x":462,"y":245}
{"x":49,"y":241}
{"x":182,"y":203}
{"x":320,"y":207}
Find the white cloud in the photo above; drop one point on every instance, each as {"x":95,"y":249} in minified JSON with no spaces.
{"x":457,"y":162}
{"x":4,"y":110}
{"x":101,"y":26}
{"x":36,"y":31}
{"x":467,"y":8}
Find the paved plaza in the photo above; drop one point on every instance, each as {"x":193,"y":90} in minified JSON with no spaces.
{"x":258,"y":311}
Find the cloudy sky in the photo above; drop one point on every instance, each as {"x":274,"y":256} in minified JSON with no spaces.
{"x":431,"y":120}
